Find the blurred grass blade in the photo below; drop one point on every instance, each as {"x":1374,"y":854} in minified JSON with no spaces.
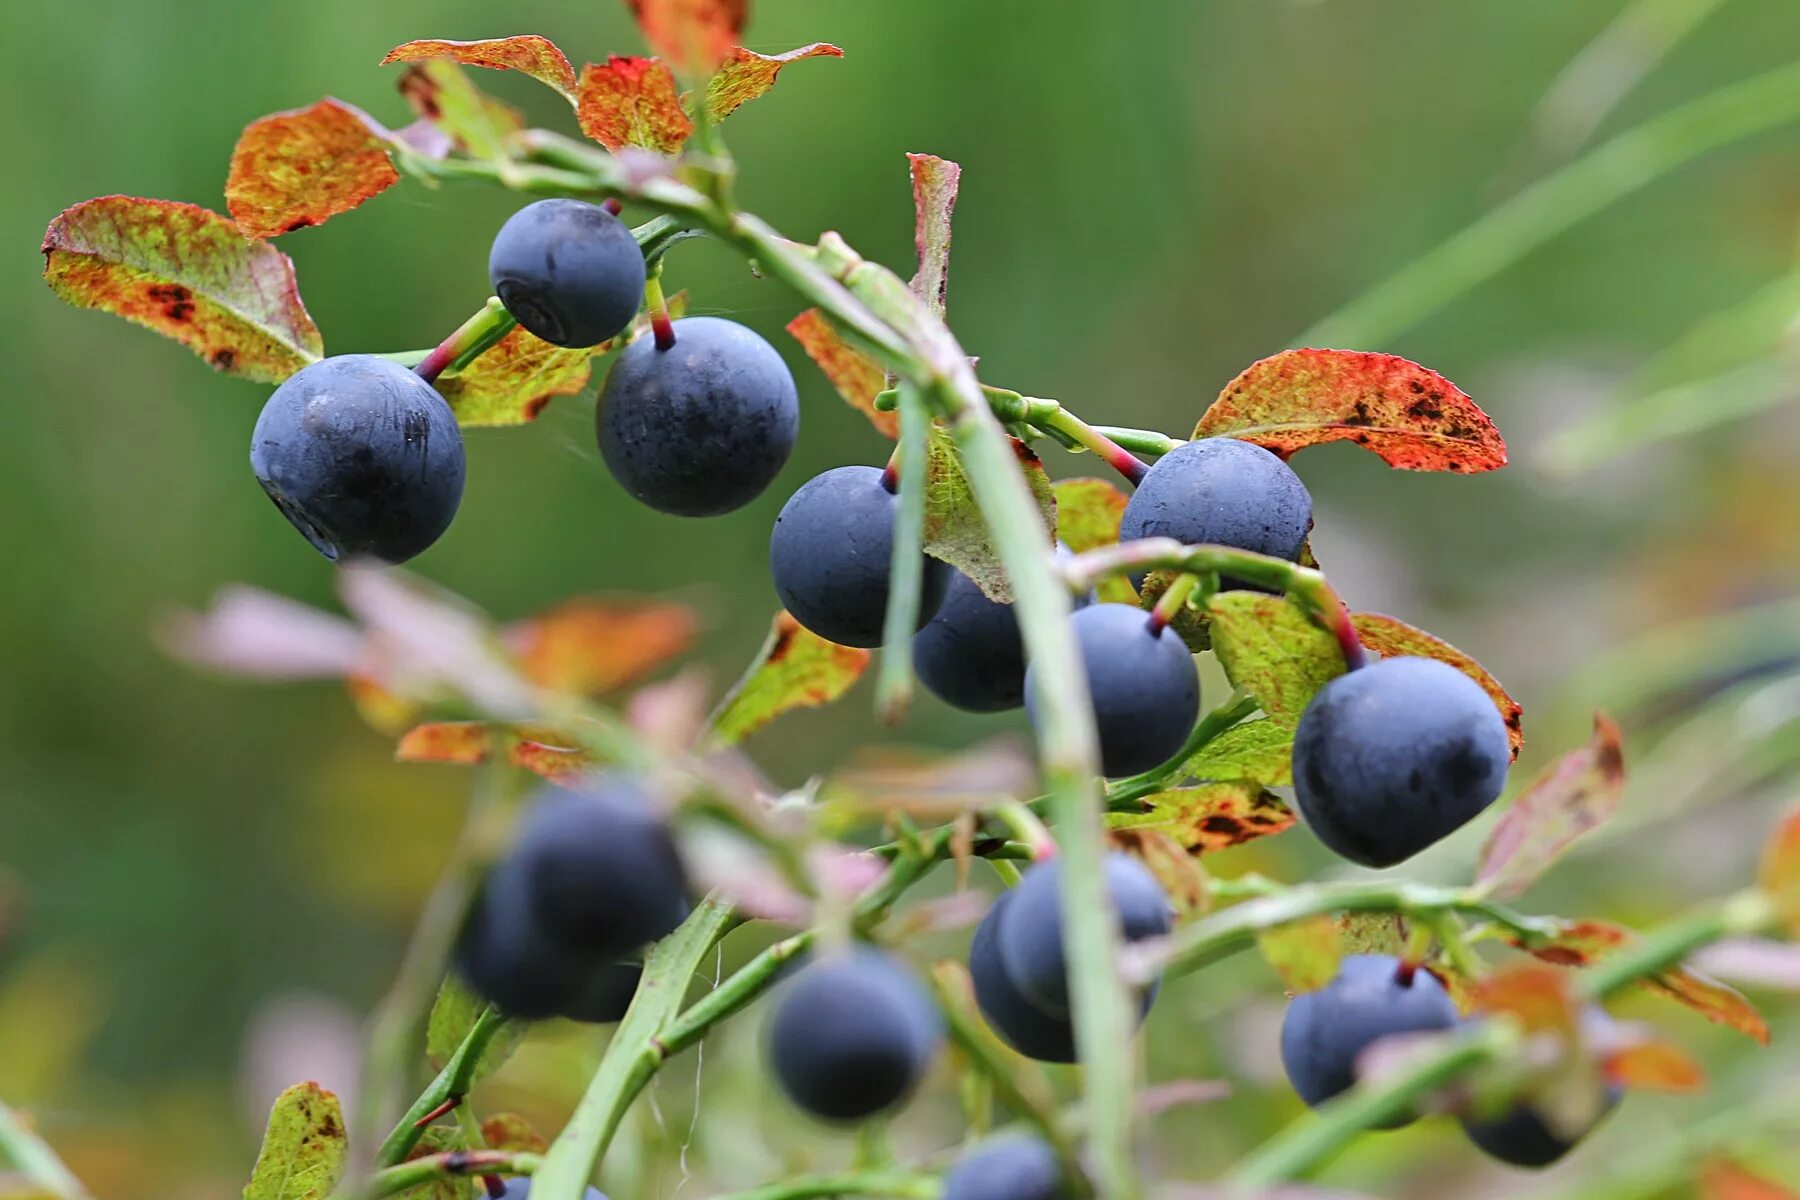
{"x":894,"y":680}
{"x":1605,"y":175}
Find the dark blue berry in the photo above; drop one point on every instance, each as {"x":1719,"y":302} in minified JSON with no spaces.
{"x":1014,"y":1167}
{"x":569,"y":272}
{"x":1020,"y":1023}
{"x":1030,"y":933}
{"x":1225,"y":492}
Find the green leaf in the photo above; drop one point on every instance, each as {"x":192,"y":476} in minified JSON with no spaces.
{"x":527,"y":53}
{"x":1256,"y":751}
{"x":954,"y":528}
{"x":1271,"y":648}
{"x":1210,"y":816}
{"x":1088,"y":513}
{"x":440,"y":1139}
{"x":1389,"y":636}
{"x":303,"y":1149}
{"x":796,"y":668}
{"x":293,"y":169}
{"x":189,"y":274}
{"x":512,"y":380}
{"x":1413,"y":418}
{"x":441,"y":92}
{"x":452,"y":1016}
{"x":1304,"y":953}
{"x":745,"y":75}
{"x":934,"y":184}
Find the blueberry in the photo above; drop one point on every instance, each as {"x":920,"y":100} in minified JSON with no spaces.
{"x":1020,"y":1023}
{"x":568,"y":271}
{"x":362,"y":455}
{"x":1325,"y":1031}
{"x":830,"y":555}
{"x":507,"y":959}
{"x":1030,"y":934}
{"x":1224,"y":492}
{"x":606,"y":994}
{"x":1143,"y":684}
{"x":852,"y":1036}
{"x":1521,"y":1136}
{"x":519,"y":1188}
{"x":1395,"y":756}
{"x":971,"y":654}
{"x":702,"y":427}
{"x":1014,"y":1167}
{"x":602,"y":874}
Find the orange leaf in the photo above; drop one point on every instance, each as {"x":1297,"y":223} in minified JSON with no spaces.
{"x":696,"y":35}
{"x":796,"y":668}
{"x":1581,"y":943}
{"x":299,"y":168}
{"x":1652,"y":1065}
{"x":1413,"y":418}
{"x":460,"y":743}
{"x":934,"y":185}
{"x":512,"y":381}
{"x":630,"y":101}
{"x":745,"y":75}
{"x":1780,"y":876}
{"x":1538,"y":997}
{"x":595,"y":645}
{"x":558,"y":763}
{"x":1720,"y":1180}
{"x":190,"y":275}
{"x":526,"y":53}
{"x":1390,"y":636}
{"x":856,"y":376}
{"x":1717,"y":1002}
{"x":1570,"y":797}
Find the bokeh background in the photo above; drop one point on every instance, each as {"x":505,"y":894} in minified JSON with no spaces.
{"x":206,"y":886}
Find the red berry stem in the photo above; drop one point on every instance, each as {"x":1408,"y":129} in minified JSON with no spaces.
{"x":1064,"y":422}
{"x":613,"y":205}
{"x":471,"y":338}
{"x":890,"y":474}
{"x":1172,"y":601}
{"x":660,"y":324}
{"x":449,"y":1105}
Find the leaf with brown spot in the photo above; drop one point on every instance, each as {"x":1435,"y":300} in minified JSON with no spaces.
{"x":1304,"y":953}
{"x":510,"y":1131}
{"x":1570,"y":797}
{"x":796,"y":668}
{"x":629,"y":101}
{"x":857,"y":377}
{"x":1273,"y":650}
{"x":745,"y":75}
{"x":525,"y":53}
{"x":1780,"y":874}
{"x":1373,"y":933}
{"x":955,"y":530}
{"x":1721,"y":1180}
{"x":1579,"y":943}
{"x":1211,"y":816}
{"x":293,"y":169}
{"x":596,"y":644}
{"x":189,"y":274}
{"x":1717,"y":1002}
{"x":441,"y":92}
{"x":1256,"y":751}
{"x":696,"y":35}
{"x":1088,"y":515}
{"x":1389,"y":636}
{"x":560,"y":764}
{"x":1653,"y":1065}
{"x":1413,"y":418}
{"x":1180,"y":873}
{"x":303,"y":1148}
{"x":512,"y":381}
{"x":458,"y":743}
{"x":934,"y":185}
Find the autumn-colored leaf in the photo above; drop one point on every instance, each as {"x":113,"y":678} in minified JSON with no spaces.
{"x":1180,"y":873}
{"x":1304,"y":953}
{"x":458,"y":743}
{"x":934,"y":184}
{"x":1721,"y":1180}
{"x":512,"y":381}
{"x":696,"y":35}
{"x":541,"y":750}
{"x":189,"y":274}
{"x":1257,"y":751}
{"x":857,"y":377}
{"x":1088,"y":515}
{"x":597,"y":644}
{"x":1413,"y":418}
{"x":955,"y":530}
{"x":745,"y":75}
{"x":1780,"y":875}
{"x":1569,"y":798}
{"x":629,"y":101}
{"x":1211,"y":816}
{"x":441,"y":92}
{"x":299,"y":168}
{"x":526,"y":53}
{"x":1538,"y":997}
{"x":303,"y":1148}
{"x":1273,"y":650}
{"x":1389,"y":636}
{"x":1653,"y":1065}
{"x":796,"y":668}
{"x":554,"y":762}
{"x":1717,"y":1002}
{"x":510,"y":1131}
{"x":1579,"y":943}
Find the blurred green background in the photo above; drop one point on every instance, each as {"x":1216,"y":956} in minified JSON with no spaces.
{"x":207,"y":885}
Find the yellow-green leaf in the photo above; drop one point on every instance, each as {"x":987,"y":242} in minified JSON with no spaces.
{"x":1273,"y":650}
{"x":1088,"y":513}
{"x":796,"y":668}
{"x":955,"y":530}
{"x":1259,"y":751}
{"x":303,"y":1149}
{"x":1304,"y":953}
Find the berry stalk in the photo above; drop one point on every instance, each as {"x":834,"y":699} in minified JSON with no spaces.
{"x":894,"y":684}
{"x":32,"y":1159}
{"x":1172,"y":601}
{"x":660,"y":325}
{"x":471,"y":339}
{"x":456,"y":1164}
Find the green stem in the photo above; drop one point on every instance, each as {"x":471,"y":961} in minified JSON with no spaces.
{"x":452,"y":1083}
{"x":1088,"y":438}
{"x":1742,"y":914}
{"x":1172,"y":601}
{"x":471,"y":339}
{"x":894,"y":683}
{"x":31,"y":1156}
{"x":661,"y":327}
{"x":1605,"y":175}
{"x":456,"y":1164}
{"x":1125,"y":793}
{"x":906,"y":1185}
